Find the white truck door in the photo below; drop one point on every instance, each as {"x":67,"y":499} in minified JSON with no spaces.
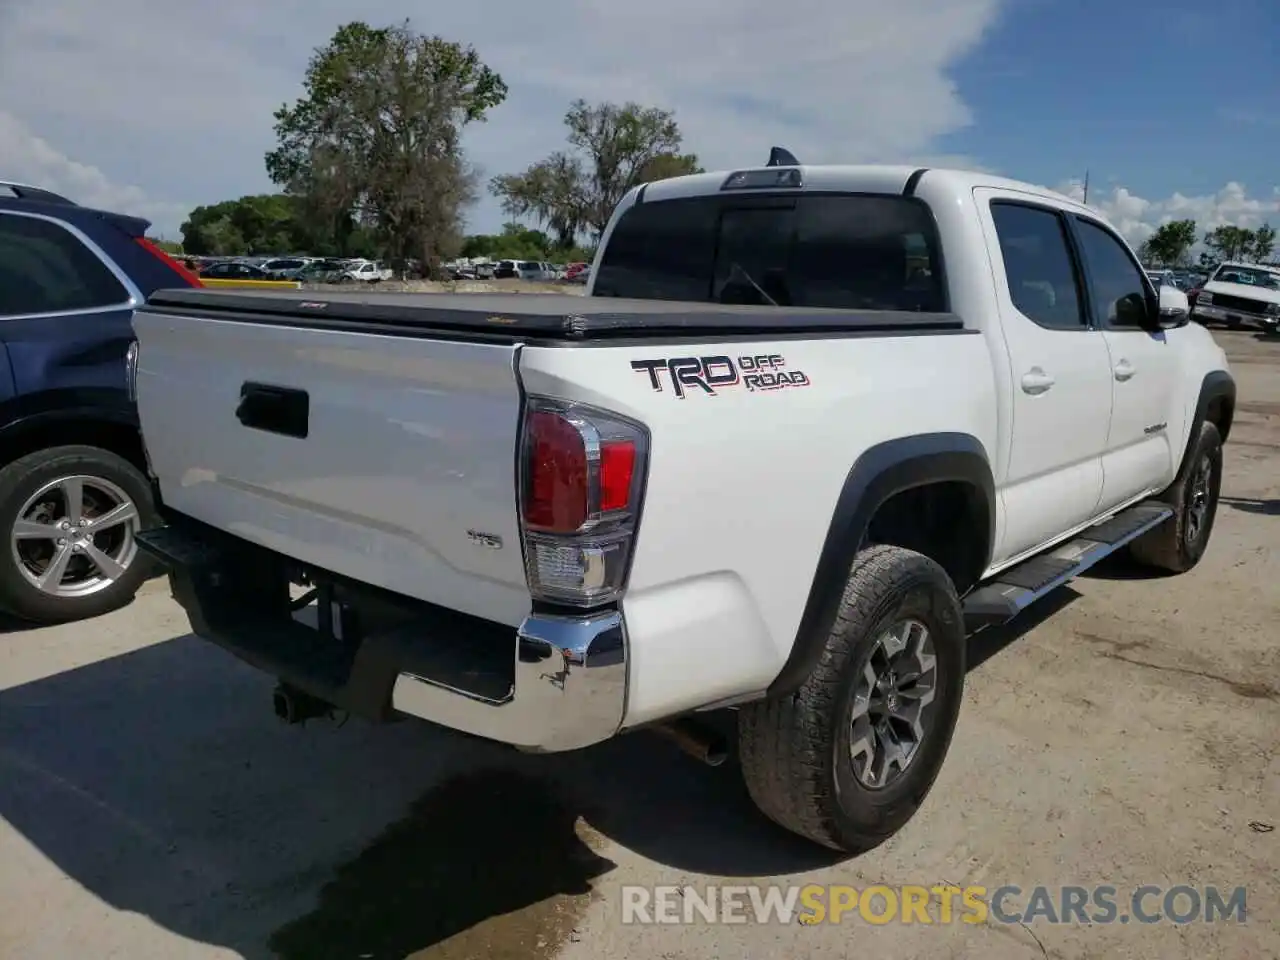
{"x":1140,"y":457}
{"x":1060,"y":369}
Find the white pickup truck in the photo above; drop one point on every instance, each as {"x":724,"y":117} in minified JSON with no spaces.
{"x":809,"y":428}
{"x":368,"y":271}
{"x":1239,"y":293}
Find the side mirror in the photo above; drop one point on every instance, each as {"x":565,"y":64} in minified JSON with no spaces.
{"x":1175,"y":308}
{"x":1135,"y":310}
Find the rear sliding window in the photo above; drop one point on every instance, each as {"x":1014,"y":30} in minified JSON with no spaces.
{"x":850,"y":252}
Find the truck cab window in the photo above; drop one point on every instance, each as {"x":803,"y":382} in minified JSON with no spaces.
{"x":1119,"y":293}
{"x":1037,"y":265}
{"x":845,"y":252}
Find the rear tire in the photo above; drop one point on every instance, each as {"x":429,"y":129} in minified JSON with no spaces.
{"x":44,"y":496}
{"x":810,"y":759}
{"x":1178,"y":544}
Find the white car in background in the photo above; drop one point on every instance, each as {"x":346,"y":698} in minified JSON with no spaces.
{"x":369,"y":271}
{"x":1238,"y":293}
{"x":1173,"y":299}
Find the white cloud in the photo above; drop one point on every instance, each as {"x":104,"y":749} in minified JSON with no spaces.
{"x":177,"y":98}
{"x":1137,"y":217}
{"x":152,"y":108}
{"x":27,"y":158}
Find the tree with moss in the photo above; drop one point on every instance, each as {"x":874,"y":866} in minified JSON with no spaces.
{"x":376,"y":139}
{"x":612,"y":148}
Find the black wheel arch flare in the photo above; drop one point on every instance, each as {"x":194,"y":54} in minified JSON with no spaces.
{"x":880,"y":473}
{"x":1218,"y":387}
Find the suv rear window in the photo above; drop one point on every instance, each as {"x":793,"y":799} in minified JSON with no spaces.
{"x":846,"y":251}
{"x":45,"y":269}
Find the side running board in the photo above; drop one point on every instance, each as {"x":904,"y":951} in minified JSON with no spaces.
{"x":1017,"y":588}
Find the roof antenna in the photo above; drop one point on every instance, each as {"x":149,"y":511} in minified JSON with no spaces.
{"x":782,"y":157}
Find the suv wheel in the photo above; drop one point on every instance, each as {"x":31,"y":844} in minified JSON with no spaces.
{"x":69,"y":515}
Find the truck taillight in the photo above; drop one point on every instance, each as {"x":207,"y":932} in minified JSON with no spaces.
{"x":582,"y":476}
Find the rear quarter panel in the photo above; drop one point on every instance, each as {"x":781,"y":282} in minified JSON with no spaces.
{"x":743,"y":484}
{"x":65,"y":366}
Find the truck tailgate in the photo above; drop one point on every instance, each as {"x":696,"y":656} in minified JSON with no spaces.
{"x":384,"y":458}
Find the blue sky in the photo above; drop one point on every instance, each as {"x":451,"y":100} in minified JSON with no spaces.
{"x":1174,"y":108}
{"x":1166,"y":97}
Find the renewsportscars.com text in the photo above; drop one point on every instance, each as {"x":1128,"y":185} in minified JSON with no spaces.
{"x":908,"y":904}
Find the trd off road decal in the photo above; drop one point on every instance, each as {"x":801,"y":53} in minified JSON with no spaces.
{"x":712,"y":374}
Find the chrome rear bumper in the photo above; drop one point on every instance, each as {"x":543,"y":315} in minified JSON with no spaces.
{"x":555,"y":683}
{"x":569,"y":689}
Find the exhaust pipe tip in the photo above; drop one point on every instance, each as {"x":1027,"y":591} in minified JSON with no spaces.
{"x":717,"y":752}
{"x":698,"y":740}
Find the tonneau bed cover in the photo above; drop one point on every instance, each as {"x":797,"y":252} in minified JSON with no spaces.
{"x":533,"y":316}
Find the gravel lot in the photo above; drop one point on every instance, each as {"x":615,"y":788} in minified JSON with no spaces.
{"x":1126,"y":733}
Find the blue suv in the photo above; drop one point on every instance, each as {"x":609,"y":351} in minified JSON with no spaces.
{"x":73,"y":475}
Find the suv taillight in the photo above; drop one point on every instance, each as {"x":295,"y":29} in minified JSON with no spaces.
{"x":189,"y":278}
{"x":582,"y":476}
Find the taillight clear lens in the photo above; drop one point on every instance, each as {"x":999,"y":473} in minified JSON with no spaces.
{"x":582,"y":479}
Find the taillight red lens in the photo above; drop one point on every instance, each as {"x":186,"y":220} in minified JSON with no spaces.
{"x":583,"y":473}
{"x":187,"y":276}
{"x":556,"y":488}
{"x":617,"y":466}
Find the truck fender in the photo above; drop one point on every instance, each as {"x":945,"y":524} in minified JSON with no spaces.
{"x":881,"y":472}
{"x":1217,"y":385}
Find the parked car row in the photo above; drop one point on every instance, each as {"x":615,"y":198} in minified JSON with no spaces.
{"x":304,"y":269}
{"x":534,"y":270}
{"x":332,"y":270}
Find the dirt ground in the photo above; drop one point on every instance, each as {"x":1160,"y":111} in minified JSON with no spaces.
{"x":1126,"y":733}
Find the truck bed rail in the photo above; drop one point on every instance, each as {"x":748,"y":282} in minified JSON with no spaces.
{"x":533,"y":317}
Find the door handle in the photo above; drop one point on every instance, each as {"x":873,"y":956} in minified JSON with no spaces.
{"x":282,"y":410}
{"x":1036,"y":381}
{"x":1124,"y":370}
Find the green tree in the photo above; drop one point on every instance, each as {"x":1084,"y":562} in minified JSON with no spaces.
{"x":1229,"y":242}
{"x":168,"y":246}
{"x":375,"y":140}
{"x":518,"y":242}
{"x":1170,"y":245}
{"x":515,"y":242}
{"x":612,"y":148}
{"x":1264,"y":243}
{"x":256,"y":224}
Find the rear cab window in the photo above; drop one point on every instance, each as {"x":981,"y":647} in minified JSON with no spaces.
{"x":1038,"y":266}
{"x":836,"y":251}
{"x":45,"y":268}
